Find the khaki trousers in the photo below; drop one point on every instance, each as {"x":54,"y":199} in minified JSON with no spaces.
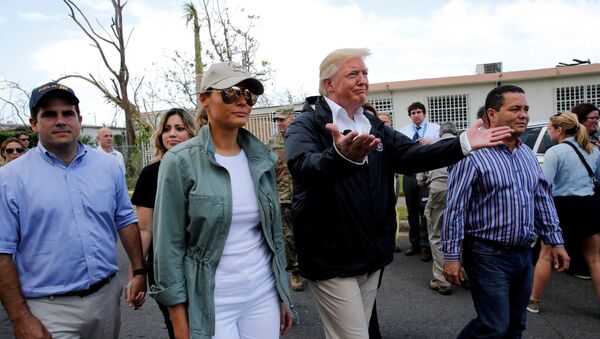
{"x":345,"y":305}
{"x":96,"y":316}
{"x":434,"y":212}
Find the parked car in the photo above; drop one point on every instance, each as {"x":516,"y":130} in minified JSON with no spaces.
{"x":537,"y":138}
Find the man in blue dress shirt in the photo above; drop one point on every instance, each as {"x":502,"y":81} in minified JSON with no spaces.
{"x":497,"y":200}
{"x":422,"y":132}
{"x":61,"y":208}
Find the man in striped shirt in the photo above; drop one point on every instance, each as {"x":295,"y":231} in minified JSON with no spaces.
{"x":497,"y":200}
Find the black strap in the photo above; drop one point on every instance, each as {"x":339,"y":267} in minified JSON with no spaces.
{"x":587,"y":167}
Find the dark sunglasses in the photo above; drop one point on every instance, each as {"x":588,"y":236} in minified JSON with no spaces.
{"x":24,"y":139}
{"x":232,"y":94}
{"x":12,"y":150}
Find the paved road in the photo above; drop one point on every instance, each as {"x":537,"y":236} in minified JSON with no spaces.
{"x":409,"y":309}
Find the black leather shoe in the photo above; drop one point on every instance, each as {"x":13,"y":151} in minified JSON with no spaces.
{"x":412,"y":251}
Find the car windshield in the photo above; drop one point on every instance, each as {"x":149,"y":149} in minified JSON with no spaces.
{"x":532,"y":134}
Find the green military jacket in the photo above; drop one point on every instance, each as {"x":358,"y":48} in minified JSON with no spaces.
{"x":192,"y":216}
{"x":284,"y":178}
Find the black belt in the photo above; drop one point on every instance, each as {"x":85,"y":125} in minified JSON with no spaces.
{"x":93,"y":289}
{"x":497,"y":244}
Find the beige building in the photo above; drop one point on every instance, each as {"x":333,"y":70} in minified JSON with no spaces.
{"x":458,"y":98}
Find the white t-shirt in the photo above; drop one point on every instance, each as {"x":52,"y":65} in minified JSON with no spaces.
{"x":244,"y":271}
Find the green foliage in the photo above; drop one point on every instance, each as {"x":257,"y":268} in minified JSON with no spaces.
{"x":88,"y":140}
{"x":118,"y":139}
{"x":33,"y":139}
{"x":143,"y":136}
{"x":133,"y":164}
{"x":401,"y":212}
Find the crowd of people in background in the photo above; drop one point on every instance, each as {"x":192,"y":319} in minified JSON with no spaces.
{"x":225,"y":225}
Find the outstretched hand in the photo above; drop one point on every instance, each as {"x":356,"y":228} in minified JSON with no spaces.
{"x":480,"y":138}
{"x":352,"y":145}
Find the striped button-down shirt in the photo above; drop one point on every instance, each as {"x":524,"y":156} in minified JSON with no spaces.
{"x":498,"y":195}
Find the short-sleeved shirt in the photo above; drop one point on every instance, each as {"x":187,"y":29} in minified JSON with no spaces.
{"x":144,"y":193}
{"x":60,"y":221}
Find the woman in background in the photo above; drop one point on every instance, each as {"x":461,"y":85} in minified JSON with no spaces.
{"x":218,"y":238}
{"x":576,"y":205}
{"x":588,"y":116}
{"x":176,"y":126}
{"x":11,"y":149}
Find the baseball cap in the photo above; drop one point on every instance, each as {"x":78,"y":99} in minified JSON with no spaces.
{"x":40,"y":92}
{"x":284,"y":112}
{"x":223,"y":75}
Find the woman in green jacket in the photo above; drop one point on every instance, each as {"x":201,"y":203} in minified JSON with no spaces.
{"x":219,"y":253}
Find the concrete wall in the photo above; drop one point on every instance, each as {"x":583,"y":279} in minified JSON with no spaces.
{"x":540,"y":95}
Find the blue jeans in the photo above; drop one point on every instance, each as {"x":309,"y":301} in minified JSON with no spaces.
{"x":501,"y":282}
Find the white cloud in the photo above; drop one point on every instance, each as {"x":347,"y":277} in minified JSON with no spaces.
{"x":36,"y":16}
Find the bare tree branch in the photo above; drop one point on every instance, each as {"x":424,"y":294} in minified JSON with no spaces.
{"x":115,"y":38}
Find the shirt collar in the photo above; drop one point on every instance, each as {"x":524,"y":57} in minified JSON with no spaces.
{"x":112,"y":151}
{"x":422,"y":127}
{"x":337,"y":110}
{"x":51,"y":158}
{"x":340,"y":118}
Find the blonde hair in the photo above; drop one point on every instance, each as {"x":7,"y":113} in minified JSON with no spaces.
{"x":571,"y":127}
{"x":331,"y":64}
{"x":188,"y":124}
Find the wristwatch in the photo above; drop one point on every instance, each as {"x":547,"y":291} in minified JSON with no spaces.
{"x":141,"y":271}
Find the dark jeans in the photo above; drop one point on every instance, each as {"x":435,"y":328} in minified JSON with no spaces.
{"x":415,"y":206}
{"x":501,"y":282}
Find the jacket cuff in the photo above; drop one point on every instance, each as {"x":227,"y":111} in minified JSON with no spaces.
{"x":171,"y":295}
{"x":465,"y":145}
{"x":343,"y":157}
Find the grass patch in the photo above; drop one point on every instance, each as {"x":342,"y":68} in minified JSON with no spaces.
{"x":401,"y":212}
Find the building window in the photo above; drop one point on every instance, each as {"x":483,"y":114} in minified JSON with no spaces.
{"x":383,"y":105}
{"x":567,"y":97}
{"x":453,"y":108}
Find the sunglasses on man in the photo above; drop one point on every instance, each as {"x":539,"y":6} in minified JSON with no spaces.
{"x":232,"y":94}
{"x":12,"y":150}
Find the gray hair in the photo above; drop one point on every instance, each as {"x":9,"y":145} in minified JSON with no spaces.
{"x":448,"y":127}
{"x":331,"y":64}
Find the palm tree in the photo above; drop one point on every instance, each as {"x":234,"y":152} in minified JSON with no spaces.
{"x":191,"y":15}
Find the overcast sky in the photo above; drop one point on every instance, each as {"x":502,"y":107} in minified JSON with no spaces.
{"x":408,"y":39}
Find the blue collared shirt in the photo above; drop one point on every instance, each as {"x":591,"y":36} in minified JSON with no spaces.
{"x":60,"y":222}
{"x":565,"y":171}
{"x":498,"y":195}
